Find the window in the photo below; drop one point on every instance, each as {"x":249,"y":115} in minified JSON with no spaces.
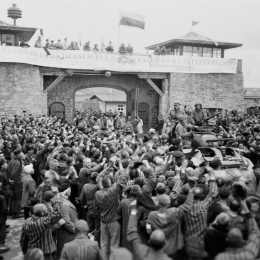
{"x":169,"y":51}
{"x":120,"y":108}
{"x":176,"y":51}
{"x":216,"y":53}
{"x":197,"y":51}
{"x":200,"y":52}
{"x":207,"y":52}
{"x":187,"y":51}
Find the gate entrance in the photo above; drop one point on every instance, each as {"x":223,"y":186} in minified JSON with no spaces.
{"x":57,"y":109}
{"x":143,"y":113}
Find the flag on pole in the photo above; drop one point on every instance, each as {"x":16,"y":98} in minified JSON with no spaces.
{"x":102,"y":44}
{"x":132,"y":19}
{"x":194,"y":23}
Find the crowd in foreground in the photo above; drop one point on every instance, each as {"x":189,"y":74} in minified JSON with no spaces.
{"x":100,"y":188}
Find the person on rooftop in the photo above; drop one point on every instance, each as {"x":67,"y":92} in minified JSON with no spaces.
{"x":52,"y":45}
{"x":110,"y":47}
{"x":129,"y":49}
{"x":163,"y":51}
{"x":38,"y":43}
{"x":58,"y":45}
{"x":86,"y":47}
{"x":65,"y":44}
{"x":47,"y":44}
{"x":71,"y":46}
{"x":157,"y":51}
{"x":95,"y":48}
{"x":122,"y":49}
{"x":76,"y":47}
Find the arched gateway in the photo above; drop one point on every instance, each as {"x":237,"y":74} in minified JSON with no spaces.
{"x":140,"y":95}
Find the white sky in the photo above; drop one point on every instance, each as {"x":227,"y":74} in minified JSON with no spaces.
{"x":235,"y":21}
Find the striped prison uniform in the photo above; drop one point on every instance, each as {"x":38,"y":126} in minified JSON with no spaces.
{"x":196,"y":218}
{"x":34,"y":231}
{"x":250,"y":250}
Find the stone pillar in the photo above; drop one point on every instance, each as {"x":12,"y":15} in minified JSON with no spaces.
{"x":21,"y":88}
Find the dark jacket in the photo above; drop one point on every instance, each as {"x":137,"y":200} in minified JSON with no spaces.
{"x":66,"y":233}
{"x":3,"y":210}
{"x":78,"y":167}
{"x":15,"y":173}
{"x":215,"y":240}
{"x":141,"y":251}
{"x":6,"y":187}
{"x":84,"y":175}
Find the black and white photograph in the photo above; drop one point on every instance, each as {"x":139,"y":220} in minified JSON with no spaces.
{"x":129,"y":130}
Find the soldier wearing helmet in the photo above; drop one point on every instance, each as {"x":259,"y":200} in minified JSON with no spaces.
{"x":173,"y":116}
{"x":175,"y":112}
{"x":198,"y":114}
{"x":181,"y":129}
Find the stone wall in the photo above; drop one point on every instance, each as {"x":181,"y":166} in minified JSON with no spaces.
{"x":21,"y":88}
{"x":223,"y":91}
{"x":64,"y":92}
{"x":251,"y":102}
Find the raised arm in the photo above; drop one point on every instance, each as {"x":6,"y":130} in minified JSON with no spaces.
{"x":54,"y":216}
{"x":213,"y":189}
{"x":133,"y":237}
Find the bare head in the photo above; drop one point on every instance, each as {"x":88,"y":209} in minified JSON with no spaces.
{"x":34,"y":254}
{"x":40,"y":210}
{"x":164,"y":201}
{"x":157,"y":240}
{"x":235,"y":238}
{"x":81,"y":227}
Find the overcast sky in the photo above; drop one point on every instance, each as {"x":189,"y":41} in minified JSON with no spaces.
{"x":229,"y":21}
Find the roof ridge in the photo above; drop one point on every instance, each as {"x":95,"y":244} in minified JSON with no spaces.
{"x":192,"y":33}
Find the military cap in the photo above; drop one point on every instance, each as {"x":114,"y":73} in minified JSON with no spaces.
{"x":176,"y":103}
{"x":198,"y":103}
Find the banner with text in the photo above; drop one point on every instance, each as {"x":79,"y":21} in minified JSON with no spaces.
{"x":69,"y":59}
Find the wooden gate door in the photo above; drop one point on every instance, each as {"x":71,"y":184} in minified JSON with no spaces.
{"x":57,"y":109}
{"x":143,"y":113}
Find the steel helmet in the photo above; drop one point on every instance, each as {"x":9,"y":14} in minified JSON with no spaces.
{"x":198,"y":103}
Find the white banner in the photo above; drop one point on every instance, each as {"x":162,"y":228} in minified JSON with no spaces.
{"x":116,"y":62}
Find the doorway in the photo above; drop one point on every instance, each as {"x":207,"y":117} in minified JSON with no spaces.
{"x":57,"y":109}
{"x":143,"y":113}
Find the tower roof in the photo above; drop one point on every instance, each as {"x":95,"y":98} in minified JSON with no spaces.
{"x":25,"y":33}
{"x":193,"y":38}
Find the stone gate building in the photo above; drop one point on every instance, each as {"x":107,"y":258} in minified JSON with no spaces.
{"x":192,"y":71}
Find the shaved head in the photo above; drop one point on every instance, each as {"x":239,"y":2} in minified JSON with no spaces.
{"x":157,"y":239}
{"x":81,"y":226}
{"x":39,"y":209}
{"x":160,"y":188}
{"x":235,"y":238}
{"x":164,"y":200}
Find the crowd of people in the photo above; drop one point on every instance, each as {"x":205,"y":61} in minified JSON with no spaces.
{"x":101,"y":188}
{"x":160,"y":51}
{"x":74,"y":46}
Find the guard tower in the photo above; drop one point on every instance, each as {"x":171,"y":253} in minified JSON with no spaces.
{"x":194,"y":44}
